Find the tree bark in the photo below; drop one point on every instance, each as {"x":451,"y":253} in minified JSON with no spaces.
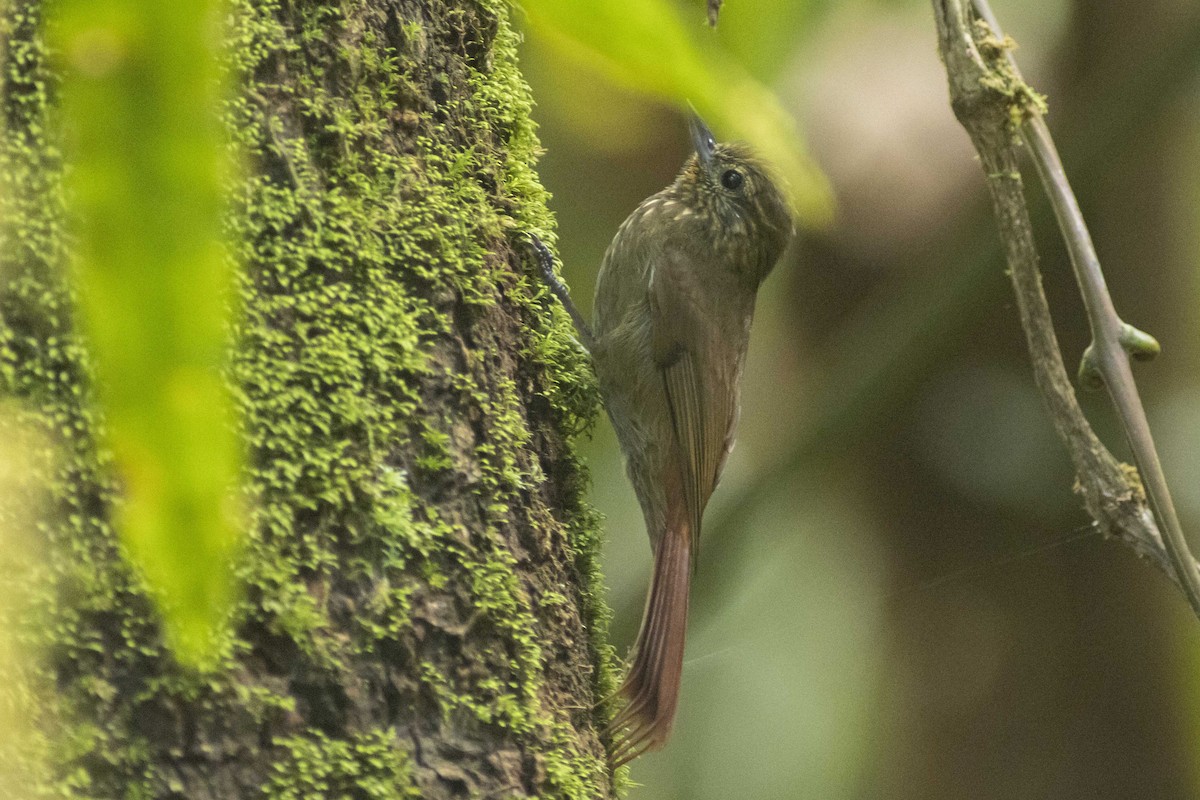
{"x":422,"y":613}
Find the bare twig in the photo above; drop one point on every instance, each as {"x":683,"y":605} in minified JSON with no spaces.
{"x":714,"y":9}
{"x":992,"y":101}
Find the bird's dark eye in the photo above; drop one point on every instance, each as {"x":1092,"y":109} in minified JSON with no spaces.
{"x":731,"y":179}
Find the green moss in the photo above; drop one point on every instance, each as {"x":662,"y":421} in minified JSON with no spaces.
{"x":369,"y":767}
{"x":1023,"y":100}
{"x":408,"y":395}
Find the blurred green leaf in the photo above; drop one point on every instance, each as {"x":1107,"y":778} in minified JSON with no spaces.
{"x":645,"y":45}
{"x":141,"y":93}
{"x":764,"y":34}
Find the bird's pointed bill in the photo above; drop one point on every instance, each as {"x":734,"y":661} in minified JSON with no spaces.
{"x":702,"y":138}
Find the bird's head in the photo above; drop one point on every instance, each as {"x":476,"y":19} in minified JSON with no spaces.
{"x":738,"y":197}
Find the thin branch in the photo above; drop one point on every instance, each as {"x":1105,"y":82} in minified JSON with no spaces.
{"x":714,"y":8}
{"x":990,"y":100}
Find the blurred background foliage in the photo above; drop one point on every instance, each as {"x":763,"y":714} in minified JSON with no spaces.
{"x":898,"y":595}
{"x":25,"y":469}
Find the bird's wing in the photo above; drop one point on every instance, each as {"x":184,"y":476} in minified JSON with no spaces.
{"x":701,"y":404}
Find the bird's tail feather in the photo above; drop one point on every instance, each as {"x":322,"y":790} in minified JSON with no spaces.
{"x":651,"y":689}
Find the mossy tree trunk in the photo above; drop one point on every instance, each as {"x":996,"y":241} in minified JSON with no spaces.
{"x":421,"y":615}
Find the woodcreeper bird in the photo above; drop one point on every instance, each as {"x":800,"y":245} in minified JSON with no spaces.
{"x":674,"y":300}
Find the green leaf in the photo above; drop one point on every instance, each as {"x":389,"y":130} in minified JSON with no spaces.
{"x":764,"y":34}
{"x":141,"y":94}
{"x":644,"y":45}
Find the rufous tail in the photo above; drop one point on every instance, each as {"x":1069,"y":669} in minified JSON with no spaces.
{"x":651,"y":689}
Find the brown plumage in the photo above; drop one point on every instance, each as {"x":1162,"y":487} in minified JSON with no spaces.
{"x":674,"y":301}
